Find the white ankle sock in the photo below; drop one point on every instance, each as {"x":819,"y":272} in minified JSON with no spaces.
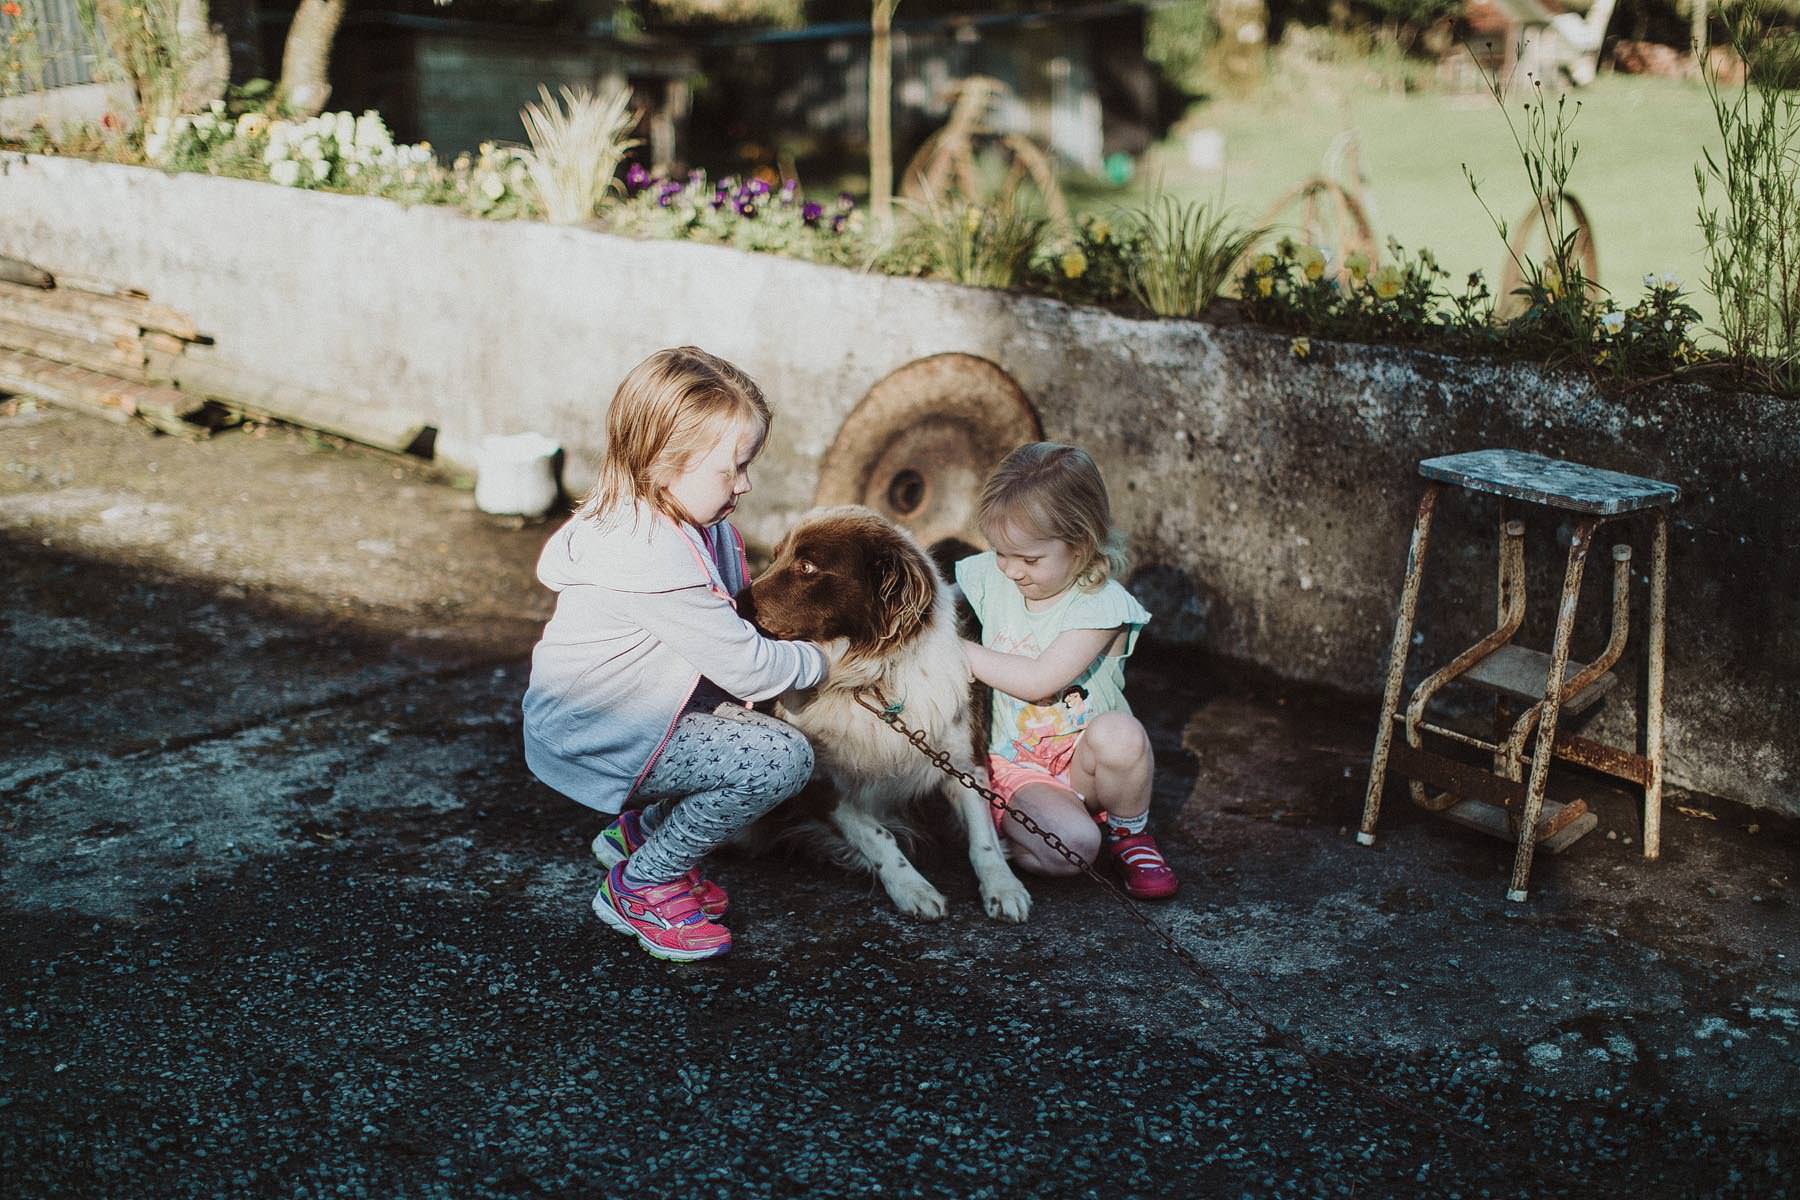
{"x":1118,"y":827}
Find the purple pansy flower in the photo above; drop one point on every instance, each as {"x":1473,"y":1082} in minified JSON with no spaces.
{"x":636,"y":178}
{"x":810,"y":213}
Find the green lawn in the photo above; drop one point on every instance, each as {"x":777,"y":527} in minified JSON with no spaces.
{"x":1639,"y":139}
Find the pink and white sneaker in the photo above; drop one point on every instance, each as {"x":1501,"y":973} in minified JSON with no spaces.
{"x":1141,"y":865}
{"x":621,"y":839}
{"x":664,"y":918}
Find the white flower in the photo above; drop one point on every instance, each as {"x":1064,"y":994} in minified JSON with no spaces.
{"x":493,"y":187}
{"x":286,"y":173}
{"x":344,"y":129}
{"x":371,"y":132}
{"x":311,"y":149}
{"x":353,"y":169}
{"x":1668,"y":325}
{"x":1671,"y":281}
{"x":1650,"y":280}
{"x":321,"y":170}
{"x":1612,"y":322}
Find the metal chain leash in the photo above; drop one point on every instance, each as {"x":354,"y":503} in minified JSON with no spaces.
{"x":1273,"y":1035}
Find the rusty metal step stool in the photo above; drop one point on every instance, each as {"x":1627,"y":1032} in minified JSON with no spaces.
{"x":1502,"y":801}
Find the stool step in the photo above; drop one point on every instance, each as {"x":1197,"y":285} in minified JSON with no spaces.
{"x":1566,"y":823}
{"x":1521,"y":673}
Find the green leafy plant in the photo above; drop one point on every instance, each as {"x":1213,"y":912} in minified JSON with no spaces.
{"x":1091,"y":264}
{"x":1404,"y":299}
{"x":1653,"y":336}
{"x":1753,"y":234}
{"x":575,"y":148}
{"x":1185,"y":252}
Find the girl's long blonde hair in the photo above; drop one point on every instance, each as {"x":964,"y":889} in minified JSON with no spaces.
{"x":671,"y":408}
{"x":1055,"y":491}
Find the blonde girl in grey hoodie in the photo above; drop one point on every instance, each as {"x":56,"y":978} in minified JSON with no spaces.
{"x":636,"y":705}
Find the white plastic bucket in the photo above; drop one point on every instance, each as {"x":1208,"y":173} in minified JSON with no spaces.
{"x":515,"y":475}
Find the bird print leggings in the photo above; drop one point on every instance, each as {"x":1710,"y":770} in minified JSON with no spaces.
{"x":720,"y":771}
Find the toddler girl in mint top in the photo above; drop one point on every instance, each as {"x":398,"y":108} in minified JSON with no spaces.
{"x":1056,"y":628}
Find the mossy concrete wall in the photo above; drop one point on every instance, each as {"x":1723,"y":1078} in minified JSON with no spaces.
{"x":1268,"y":497}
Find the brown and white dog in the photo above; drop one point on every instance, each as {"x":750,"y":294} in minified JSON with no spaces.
{"x":860,"y":586}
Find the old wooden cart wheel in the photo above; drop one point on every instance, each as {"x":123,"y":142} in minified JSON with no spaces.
{"x":1530,"y":239}
{"x":919,"y":446}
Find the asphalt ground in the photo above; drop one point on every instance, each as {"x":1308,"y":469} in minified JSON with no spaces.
{"x":285,"y":915}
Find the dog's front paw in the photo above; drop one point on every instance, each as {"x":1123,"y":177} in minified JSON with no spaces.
{"x":1007,"y":901}
{"x":916,"y":898}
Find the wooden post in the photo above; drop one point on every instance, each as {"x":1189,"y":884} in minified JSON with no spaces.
{"x":881,"y":125}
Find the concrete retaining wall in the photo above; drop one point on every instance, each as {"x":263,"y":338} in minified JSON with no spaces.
{"x":1268,"y":498}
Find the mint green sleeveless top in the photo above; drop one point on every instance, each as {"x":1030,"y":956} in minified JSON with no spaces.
{"x":1027,"y":732}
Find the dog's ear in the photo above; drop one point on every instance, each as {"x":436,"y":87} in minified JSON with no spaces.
{"x":907,"y":587}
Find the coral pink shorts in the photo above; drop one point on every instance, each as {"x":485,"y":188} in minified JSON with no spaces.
{"x":1008,"y":777}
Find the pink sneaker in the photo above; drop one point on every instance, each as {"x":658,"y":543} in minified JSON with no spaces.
{"x":1145,"y":872}
{"x":620,"y":840}
{"x":664,"y":917}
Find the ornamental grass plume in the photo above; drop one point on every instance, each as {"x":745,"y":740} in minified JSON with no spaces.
{"x":575,"y":148}
{"x":1186,"y":255}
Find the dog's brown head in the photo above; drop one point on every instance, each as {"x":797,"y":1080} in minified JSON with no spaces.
{"x":846,"y":574}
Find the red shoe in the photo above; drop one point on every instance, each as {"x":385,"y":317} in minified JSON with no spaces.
{"x":1142,"y":867}
{"x":664,"y":917}
{"x":620,"y":840}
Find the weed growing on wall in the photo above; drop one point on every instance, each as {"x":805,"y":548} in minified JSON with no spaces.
{"x":1753,"y":230}
{"x":1558,"y":315}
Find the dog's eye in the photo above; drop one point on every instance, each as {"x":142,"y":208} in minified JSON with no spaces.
{"x":805,"y":567}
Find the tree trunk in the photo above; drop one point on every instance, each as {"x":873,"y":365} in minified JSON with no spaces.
{"x":306,"y":59}
{"x":881,"y":124}
{"x":178,"y":68}
{"x":205,"y":57}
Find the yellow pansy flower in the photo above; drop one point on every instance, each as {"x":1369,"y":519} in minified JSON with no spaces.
{"x":1357,"y":263}
{"x":1301,"y":347}
{"x":1264,"y":285}
{"x":1264,"y":263}
{"x":1312,"y":261}
{"x":1074,"y":264}
{"x":1388,"y":281}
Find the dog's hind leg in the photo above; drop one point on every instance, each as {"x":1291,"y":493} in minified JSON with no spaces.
{"x":910,"y":891}
{"x":1002,"y":895}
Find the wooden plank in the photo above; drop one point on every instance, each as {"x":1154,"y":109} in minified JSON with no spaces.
{"x":1560,"y":826}
{"x":17,"y":270}
{"x":265,"y":399}
{"x":92,"y":391}
{"x":1523,"y":673}
{"x":139,"y":313}
{"x":20,"y":374}
{"x":108,"y":358}
{"x":17,"y":306}
{"x":1556,"y":482}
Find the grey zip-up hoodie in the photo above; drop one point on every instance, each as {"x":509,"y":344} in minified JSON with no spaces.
{"x":644,"y":608}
